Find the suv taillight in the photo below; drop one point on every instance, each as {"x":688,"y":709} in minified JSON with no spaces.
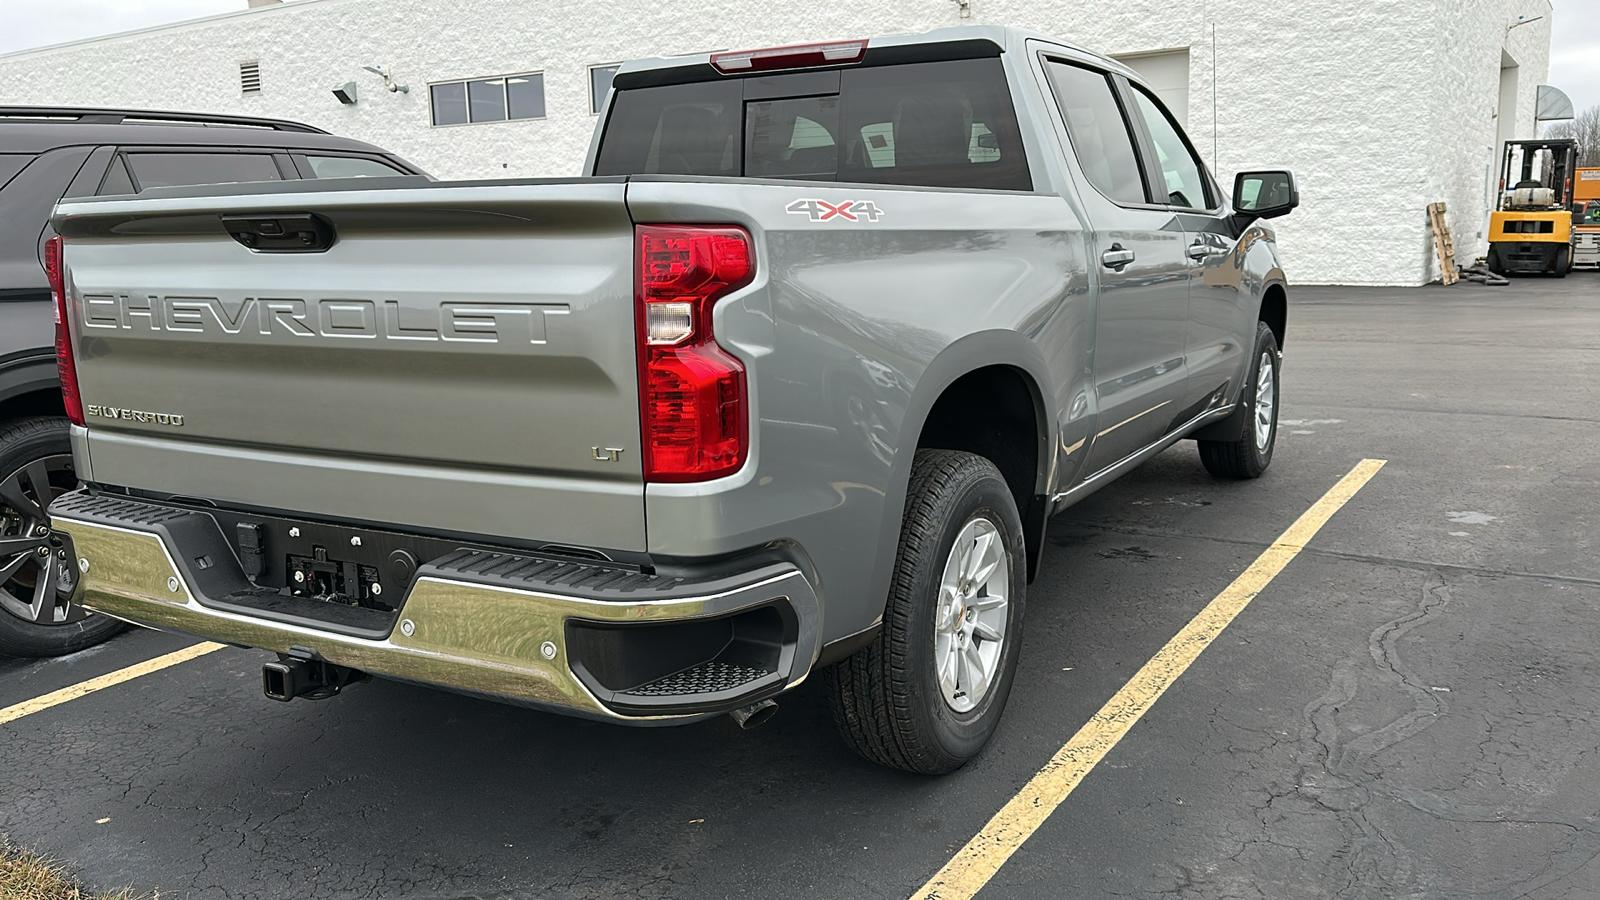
{"x":693,"y":410}
{"x":65,"y":364}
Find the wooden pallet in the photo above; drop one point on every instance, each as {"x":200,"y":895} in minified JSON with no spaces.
{"x":1442,"y":244}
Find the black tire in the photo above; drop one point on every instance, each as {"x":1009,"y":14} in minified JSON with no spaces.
{"x":1248,"y":457}
{"x":1563,"y":262}
{"x":24,"y":443}
{"x":1492,"y":260}
{"x":887,"y":699}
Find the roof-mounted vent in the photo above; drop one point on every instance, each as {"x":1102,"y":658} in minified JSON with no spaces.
{"x":250,"y":77}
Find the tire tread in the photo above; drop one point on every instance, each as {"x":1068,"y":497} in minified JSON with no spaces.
{"x":871,"y":691}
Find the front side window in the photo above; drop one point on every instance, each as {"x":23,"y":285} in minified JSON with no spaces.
{"x":154,"y":170}
{"x":1099,"y":133}
{"x":939,"y":124}
{"x":1180,"y":171}
{"x":494,"y":99}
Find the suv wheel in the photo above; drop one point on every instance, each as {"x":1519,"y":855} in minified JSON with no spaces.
{"x":1250,"y":455}
{"x":37,"y":568}
{"x":927,"y":694}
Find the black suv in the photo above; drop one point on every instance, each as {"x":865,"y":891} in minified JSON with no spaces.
{"x":47,"y":154}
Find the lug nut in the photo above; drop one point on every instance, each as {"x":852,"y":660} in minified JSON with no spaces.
{"x":41,"y":530}
{"x":44,"y":551}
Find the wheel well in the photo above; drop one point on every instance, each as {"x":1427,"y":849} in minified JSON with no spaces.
{"x":34,"y":403}
{"x":1275,"y":312}
{"x":994,"y":412}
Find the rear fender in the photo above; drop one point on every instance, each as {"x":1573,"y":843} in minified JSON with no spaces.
{"x":966,"y":355}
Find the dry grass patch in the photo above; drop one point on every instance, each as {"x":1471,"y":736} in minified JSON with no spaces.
{"x":25,"y":875}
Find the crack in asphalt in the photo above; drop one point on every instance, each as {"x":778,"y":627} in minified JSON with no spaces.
{"x":1339,"y":777}
{"x":1398,"y":562}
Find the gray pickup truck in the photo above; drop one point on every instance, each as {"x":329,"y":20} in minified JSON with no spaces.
{"x":788,"y":384}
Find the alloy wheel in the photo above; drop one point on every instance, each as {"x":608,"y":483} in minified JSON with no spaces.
{"x":970,"y":626}
{"x":1266,"y":400}
{"x":37,"y":576}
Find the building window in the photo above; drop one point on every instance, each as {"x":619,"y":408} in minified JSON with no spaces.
{"x":599,"y":86}
{"x":488,"y":99}
{"x":250,"y":77}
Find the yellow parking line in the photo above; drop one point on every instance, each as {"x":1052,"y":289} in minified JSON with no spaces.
{"x":977,"y":862}
{"x":56,"y":698}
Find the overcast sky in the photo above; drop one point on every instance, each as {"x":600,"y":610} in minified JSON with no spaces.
{"x":1574,"y":52}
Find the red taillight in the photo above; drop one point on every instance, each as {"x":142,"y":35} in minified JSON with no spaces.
{"x":65,"y":364}
{"x":802,"y":56}
{"x":692,"y":396}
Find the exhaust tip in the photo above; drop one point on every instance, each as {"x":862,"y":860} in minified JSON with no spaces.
{"x":755,"y":715}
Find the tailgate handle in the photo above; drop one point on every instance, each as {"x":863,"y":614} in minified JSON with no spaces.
{"x":281,"y":232}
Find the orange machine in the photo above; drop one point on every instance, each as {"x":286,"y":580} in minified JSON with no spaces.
{"x":1586,"y":217}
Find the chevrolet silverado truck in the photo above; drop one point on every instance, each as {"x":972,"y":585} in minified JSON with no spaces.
{"x":788,"y":384}
{"x":51,"y":152}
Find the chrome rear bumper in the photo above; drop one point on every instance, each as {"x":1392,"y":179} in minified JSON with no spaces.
{"x":461,"y":626}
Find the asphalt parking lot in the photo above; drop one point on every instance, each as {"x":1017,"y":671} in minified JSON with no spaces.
{"x":1404,"y":711}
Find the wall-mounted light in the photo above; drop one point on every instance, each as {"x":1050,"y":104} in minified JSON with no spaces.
{"x":346,"y":93}
{"x":388,"y":80}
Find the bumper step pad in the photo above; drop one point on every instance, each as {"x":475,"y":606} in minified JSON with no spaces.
{"x":708,"y":677}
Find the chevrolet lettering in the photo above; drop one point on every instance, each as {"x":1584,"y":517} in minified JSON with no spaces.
{"x":514,"y":323}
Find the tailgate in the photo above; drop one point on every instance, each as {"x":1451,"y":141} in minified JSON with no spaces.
{"x":450,"y":363}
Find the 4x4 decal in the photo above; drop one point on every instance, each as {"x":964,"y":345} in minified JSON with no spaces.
{"x":848,"y":211}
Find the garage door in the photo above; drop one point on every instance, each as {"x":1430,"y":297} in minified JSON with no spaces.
{"x":1168,"y":74}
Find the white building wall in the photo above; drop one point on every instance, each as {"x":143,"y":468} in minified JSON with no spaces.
{"x":1467,"y":124}
{"x":1368,"y":102}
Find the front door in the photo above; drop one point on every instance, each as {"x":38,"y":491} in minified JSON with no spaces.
{"x":1142,"y":313}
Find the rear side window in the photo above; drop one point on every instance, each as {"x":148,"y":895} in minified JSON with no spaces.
{"x":169,"y":169}
{"x":349,"y":167}
{"x":939,"y":124}
{"x":1100,"y":137}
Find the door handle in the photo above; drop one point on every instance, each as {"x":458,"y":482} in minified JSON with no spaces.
{"x":1198,"y":251}
{"x":1116,"y":258}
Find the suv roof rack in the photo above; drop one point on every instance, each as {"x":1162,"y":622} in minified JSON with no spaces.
{"x":94,"y":116}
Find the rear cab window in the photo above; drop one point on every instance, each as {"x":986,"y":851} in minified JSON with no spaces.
{"x":946,"y":124}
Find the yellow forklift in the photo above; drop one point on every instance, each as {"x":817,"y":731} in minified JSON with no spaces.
{"x":1530,"y":230}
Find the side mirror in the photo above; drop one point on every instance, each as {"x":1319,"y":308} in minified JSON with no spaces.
{"x":1264,"y":195}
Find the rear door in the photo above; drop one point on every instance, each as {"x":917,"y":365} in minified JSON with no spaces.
{"x":1143,"y":307}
